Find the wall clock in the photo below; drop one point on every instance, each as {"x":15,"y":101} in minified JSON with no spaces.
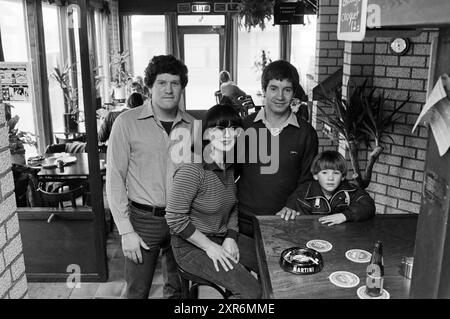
{"x":399,"y":46}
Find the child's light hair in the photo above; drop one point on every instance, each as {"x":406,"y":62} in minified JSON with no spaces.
{"x":329,"y":160}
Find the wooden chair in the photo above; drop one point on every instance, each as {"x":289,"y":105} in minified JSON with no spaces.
{"x":74,"y":147}
{"x":63,"y":193}
{"x":66,"y":139}
{"x":246,"y":104}
{"x":190,"y":284}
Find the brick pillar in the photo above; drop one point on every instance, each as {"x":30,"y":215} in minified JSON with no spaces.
{"x":329,"y":57}
{"x":358,"y":63}
{"x":13,"y":282}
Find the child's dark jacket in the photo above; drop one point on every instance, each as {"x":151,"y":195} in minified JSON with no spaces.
{"x":355,"y":203}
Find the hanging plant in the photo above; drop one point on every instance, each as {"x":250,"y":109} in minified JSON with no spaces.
{"x":254,"y":13}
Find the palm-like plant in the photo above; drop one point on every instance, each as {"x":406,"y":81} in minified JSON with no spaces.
{"x":362,"y":120}
{"x":120,"y":75}
{"x":62,"y":76}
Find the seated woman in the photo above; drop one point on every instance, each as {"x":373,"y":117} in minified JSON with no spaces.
{"x":202,"y":209}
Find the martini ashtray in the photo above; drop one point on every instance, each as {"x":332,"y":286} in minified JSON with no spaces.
{"x":301,"y":261}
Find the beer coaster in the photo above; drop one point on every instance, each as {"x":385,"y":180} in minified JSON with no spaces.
{"x":363,"y":295}
{"x":358,"y":255}
{"x":319,"y":245}
{"x":344,"y":279}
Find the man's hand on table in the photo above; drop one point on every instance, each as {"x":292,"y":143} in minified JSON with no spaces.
{"x":287,"y":213}
{"x":131,"y":247}
{"x":334,"y":219}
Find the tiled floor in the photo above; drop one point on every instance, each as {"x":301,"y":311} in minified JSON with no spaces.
{"x":112,"y":289}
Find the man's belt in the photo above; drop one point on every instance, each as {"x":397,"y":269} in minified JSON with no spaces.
{"x":157,"y":211}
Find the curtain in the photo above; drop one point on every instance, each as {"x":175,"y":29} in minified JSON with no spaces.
{"x":127,"y":41}
{"x":2,"y":58}
{"x":285,"y":42}
{"x":229,"y":62}
{"x":172,"y":45}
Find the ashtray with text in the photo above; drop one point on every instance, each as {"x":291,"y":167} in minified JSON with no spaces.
{"x":301,"y":261}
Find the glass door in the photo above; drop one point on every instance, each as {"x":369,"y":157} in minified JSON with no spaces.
{"x":201,"y":49}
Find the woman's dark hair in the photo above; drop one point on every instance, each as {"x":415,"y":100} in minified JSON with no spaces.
{"x":221,"y":115}
{"x":329,"y":160}
{"x":282,"y":70}
{"x":160,"y":64}
{"x":135,"y":99}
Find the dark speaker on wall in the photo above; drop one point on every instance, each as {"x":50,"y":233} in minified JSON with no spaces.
{"x":292,"y":12}
{"x":288,"y":13}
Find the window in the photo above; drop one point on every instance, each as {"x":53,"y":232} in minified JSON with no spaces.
{"x":250,"y":47}
{"x":148,"y":38}
{"x":12,"y":26}
{"x":102,"y":55}
{"x":14,"y":45}
{"x":303,"y":50}
{"x":53,"y":59}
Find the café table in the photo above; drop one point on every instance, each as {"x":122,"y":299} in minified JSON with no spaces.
{"x":76,"y":170}
{"x":273,"y":235}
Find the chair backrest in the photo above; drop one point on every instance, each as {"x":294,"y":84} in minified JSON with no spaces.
{"x":25,"y":185}
{"x":55,"y":148}
{"x":62,"y":140}
{"x":74,"y":147}
{"x":246,"y":104}
{"x":59,"y":195}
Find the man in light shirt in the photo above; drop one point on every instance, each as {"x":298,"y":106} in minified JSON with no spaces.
{"x":139,"y":175}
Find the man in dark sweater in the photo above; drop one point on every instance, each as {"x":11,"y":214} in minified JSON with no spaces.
{"x":265,"y":187}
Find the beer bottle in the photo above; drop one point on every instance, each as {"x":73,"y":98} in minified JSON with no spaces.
{"x":375,"y":272}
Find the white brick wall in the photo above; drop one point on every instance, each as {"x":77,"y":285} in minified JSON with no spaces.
{"x":13,"y":282}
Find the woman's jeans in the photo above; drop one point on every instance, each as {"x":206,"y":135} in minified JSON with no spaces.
{"x":239,"y":281}
{"x":155,"y":233}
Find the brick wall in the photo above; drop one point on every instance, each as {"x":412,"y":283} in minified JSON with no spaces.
{"x":13,"y":282}
{"x":397,"y":176}
{"x":329,"y":57}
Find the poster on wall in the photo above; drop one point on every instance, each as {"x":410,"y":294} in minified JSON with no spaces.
{"x":15,"y":81}
{"x":352,"y":20}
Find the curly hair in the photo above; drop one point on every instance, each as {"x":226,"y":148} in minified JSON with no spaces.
{"x":160,"y":64}
{"x":282,"y":70}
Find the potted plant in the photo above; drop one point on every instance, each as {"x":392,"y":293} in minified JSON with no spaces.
{"x":362,"y":123}
{"x":260,"y":64}
{"x":121,"y":76}
{"x":71,"y":111}
{"x":17,"y":139}
{"x":254,"y":13}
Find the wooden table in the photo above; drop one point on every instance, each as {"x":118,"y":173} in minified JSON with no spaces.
{"x":78,"y":170}
{"x":273,"y":235}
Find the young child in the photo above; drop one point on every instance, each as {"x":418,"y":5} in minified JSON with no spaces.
{"x":330,"y":194}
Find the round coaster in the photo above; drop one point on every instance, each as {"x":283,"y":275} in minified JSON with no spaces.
{"x":363,"y":295}
{"x":319,"y":245}
{"x":344,"y":279}
{"x":358,"y":255}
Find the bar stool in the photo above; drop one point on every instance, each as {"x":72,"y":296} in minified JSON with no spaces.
{"x":190,"y":284}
